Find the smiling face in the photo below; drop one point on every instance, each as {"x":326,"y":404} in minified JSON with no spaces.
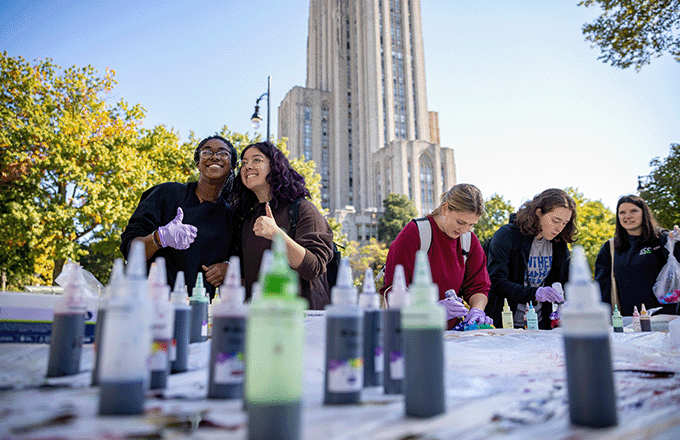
{"x":214,"y":160}
{"x":552,"y":222}
{"x":455,"y":223}
{"x":630,"y":217}
{"x":254,"y":172}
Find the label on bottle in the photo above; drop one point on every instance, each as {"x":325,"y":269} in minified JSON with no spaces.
{"x":378,"y":362}
{"x":397,"y":365}
{"x":173,"y":350}
{"x":204,"y":328}
{"x":159,"y":356}
{"x":229,"y":368}
{"x":345,"y":375}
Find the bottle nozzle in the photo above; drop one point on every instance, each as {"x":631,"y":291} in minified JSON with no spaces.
{"x":158,"y":280}
{"x":179,"y":282}
{"x":232,"y":289}
{"x":422,"y":288}
{"x":369,"y":298}
{"x":399,"y":297}
{"x":136,"y":267}
{"x":506,"y":306}
{"x":344,"y":292}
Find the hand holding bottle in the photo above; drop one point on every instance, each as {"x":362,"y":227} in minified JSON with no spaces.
{"x":549,"y":294}
{"x":478,"y":316}
{"x":176,"y":234}
{"x":454,"y":308}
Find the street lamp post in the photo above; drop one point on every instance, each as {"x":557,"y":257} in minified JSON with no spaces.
{"x":256,"y":119}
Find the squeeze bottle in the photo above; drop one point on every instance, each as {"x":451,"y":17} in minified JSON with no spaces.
{"x":585,"y":319}
{"x":506,"y":315}
{"x":617,"y":320}
{"x":394,"y":353}
{"x":369,"y":302}
{"x":275,"y":353}
{"x":179,"y":351}
{"x":113,"y":288}
{"x":532,"y":317}
{"x":423,"y":325}
{"x":199,"y":303}
{"x":227,"y":349}
{"x":162,"y":326}
{"x":344,"y":340}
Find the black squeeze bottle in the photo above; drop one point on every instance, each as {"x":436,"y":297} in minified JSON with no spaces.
{"x":113,"y":288}
{"x":227,"y":349}
{"x":199,"y":303}
{"x":179,"y":350}
{"x":369,"y":301}
{"x":423,"y":325}
{"x":68,"y":328}
{"x":399,"y":297}
{"x":344,"y":339}
{"x":590,"y":379}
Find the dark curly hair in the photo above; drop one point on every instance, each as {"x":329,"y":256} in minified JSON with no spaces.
{"x":552,"y":198}
{"x":228,"y":186}
{"x":286,"y":184}
{"x":650,"y":227}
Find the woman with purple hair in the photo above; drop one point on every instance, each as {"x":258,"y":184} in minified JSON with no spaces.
{"x":262,"y":196}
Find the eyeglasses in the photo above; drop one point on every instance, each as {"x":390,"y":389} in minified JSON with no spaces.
{"x":255,"y":161}
{"x":221,"y":154}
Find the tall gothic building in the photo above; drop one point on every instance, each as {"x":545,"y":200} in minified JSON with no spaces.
{"x":362,"y":117}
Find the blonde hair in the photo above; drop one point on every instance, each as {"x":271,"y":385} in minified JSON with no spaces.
{"x":463,"y":197}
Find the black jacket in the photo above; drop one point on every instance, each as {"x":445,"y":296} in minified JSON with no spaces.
{"x":508,"y":252}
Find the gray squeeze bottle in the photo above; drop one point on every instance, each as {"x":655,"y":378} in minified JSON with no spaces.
{"x":423,"y":325}
{"x":114,"y":286}
{"x":344,"y":339}
{"x":162,"y":326}
{"x":227,"y":349}
{"x":68,"y":328}
{"x":199,"y":303}
{"x":179,"y":350}
{"x":369,"y":301}
{"x":394,"y":353}
{"x":585,"y":319}
{"x":123,"y":373}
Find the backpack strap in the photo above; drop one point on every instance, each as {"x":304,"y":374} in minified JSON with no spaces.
{"x":293,"y":216}
{"x":425,"y":233}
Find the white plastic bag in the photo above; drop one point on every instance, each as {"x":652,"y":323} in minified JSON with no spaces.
{"x":667,"y":286}
{"x":94,"y":287}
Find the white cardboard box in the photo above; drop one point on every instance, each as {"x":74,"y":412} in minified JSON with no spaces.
{"x":27,"y":317}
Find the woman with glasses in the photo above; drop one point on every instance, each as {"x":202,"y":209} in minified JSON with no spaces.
{"x":262,"y":196}
{"x":191,"y":225}
{"x":529,"y":254}
{"x":454,"y":265}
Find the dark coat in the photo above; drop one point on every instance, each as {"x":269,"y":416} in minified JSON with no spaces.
{"x":508,"y":253}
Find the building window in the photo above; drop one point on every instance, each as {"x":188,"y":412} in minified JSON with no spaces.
{"x":307,"y":132}
{"x":426,"y":186}
{"x":325,"y":172}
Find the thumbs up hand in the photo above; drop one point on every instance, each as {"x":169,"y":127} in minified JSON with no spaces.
{"x":265,"y":225}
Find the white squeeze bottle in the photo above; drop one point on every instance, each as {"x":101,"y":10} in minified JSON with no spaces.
{"x":399,"y":297}
{"x":162,"y":326}
{"x":123,"y":373}
{"x":369,"y":301}
{"x":590,"y":380}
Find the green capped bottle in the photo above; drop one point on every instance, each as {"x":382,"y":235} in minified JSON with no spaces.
{"x":423,"y":325}
{"x":275,"y":353}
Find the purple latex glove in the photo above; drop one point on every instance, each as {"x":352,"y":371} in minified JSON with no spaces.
{"x":478,"y":316}
{"x":454,"y":308}
{"x":176,"y":234}
{"x":548,"y":294}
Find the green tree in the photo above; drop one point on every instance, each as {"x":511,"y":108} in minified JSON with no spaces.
{"x":399,"y":210}
{"x":662,"y":192}
{"x":632,"y":32}
{"x":595,"y":224}
{"x":497,"y":211}
{"x":73,"y":165}
{"x":373,"y":255}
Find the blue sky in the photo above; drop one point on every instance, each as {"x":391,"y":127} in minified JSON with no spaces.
{"x":521,"y":96}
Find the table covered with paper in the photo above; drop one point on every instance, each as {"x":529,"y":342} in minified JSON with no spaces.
{"x":500,"y":384}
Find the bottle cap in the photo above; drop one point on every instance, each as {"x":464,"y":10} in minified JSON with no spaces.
{"x":217,"y":299}
{"x":399,"y":296}
{"x":423,"y":290}
{"x":198,"y":293}
{"x":369,"y":298}
{"x":280,"y":280}
{"x":136,"y":265}
{"x":344,"y":293}
{"x":179,"y":296}
{"x":158,"y":288}
{"x":643,"y":311}
{"x":506,"y":307}
{"x":232,"y":290}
